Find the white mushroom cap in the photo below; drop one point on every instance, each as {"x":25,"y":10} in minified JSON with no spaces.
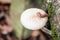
{"x":30,"y":19}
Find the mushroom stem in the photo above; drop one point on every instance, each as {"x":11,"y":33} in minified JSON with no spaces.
{"x":46,"y":30}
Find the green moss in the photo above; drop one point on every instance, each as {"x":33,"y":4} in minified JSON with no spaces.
{"x":50,"y":12}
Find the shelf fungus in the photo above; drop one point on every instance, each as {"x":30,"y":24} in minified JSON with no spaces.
{"x":34,"y":18}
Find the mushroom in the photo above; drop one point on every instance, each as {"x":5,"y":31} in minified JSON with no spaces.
{"x":34,"y":18}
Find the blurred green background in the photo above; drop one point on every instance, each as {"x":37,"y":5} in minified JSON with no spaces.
{"x":17,"y":7}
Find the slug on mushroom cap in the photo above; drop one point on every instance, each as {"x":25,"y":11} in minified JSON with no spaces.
{"x":34,"y":18}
